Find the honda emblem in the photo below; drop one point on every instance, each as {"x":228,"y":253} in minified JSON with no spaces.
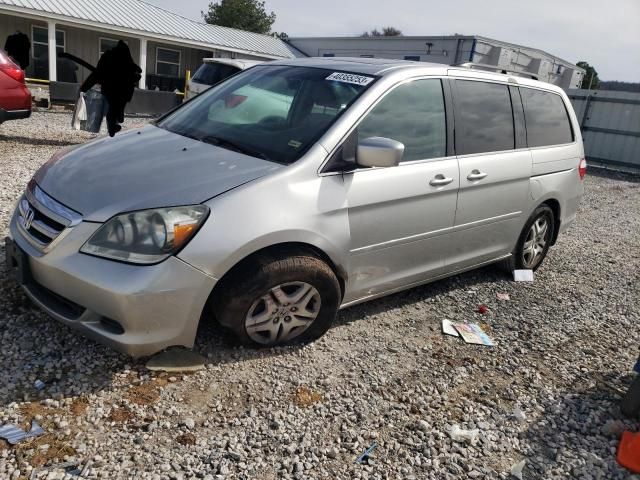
{"x":28,"y":218}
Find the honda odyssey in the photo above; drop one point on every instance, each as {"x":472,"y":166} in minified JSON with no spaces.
{"x":294,"y":189}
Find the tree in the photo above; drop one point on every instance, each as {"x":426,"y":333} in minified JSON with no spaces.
{"x":249,"y":15}
{"x":386,"y":32}
{"x":590,"y":79}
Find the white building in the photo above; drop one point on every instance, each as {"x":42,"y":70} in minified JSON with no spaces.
{"x":449,"y":50}
{"x":163,"y":43}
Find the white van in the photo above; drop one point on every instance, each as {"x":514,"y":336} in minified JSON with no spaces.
{"x":214,"y":70}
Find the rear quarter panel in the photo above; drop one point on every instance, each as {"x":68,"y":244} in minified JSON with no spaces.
{"x":13,"y":95}
{"x":555,"y":173}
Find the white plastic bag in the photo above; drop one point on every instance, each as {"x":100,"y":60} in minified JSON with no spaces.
{"x":79,"y":113}
{"x":516,"y":470}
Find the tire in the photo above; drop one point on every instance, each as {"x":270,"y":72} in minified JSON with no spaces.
{"x":630,"y":404}
{"x":533,"y":243}
{"x":259,"y":301}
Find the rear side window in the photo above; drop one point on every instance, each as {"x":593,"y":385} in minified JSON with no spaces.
{"x":546,"y":118}
{"x":484,"y":119}
{"x":212,"y":73}
{"x":413,"y":114}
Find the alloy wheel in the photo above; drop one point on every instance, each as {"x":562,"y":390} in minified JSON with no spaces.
{"x":534,"y":245}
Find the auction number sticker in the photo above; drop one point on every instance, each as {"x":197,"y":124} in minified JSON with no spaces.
{"x":350,"y":78}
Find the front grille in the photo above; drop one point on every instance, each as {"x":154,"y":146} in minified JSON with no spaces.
{"x":56,"y":303}
{"x":38,"y":225}
{"x":43,"y":220}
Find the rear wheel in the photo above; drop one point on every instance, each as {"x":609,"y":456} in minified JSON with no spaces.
{"x":279,"y":301}
{"x":535,"y":239}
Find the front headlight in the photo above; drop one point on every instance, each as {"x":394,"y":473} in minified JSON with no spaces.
{"x":146,"y":236}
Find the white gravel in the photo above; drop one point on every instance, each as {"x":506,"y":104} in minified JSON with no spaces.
{"x":547,"y":393}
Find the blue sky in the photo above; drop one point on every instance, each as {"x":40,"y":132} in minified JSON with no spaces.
{"x":606,"y":34}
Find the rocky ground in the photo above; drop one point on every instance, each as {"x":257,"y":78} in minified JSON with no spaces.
{"x":547,"y":393}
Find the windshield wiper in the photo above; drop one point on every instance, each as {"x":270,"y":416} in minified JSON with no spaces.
{"x":231,"y":145}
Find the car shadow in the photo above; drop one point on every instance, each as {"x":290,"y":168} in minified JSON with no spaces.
{"x":46,"y":142}
{"x":67,"y":369}
{"x":631,"y":177}
{"x":80,"y":368}
{"x":215,"y":342}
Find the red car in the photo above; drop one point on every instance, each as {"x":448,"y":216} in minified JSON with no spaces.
{"x":15,"y":98}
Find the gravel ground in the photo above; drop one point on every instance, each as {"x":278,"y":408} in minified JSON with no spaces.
{"x":547,"y":393}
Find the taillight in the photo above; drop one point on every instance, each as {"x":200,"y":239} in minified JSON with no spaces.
{"x":582,"y":168}
{"x":15,"y":73}
{"x":10,"y":68}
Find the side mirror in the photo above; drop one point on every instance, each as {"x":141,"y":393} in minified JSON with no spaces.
{"x":379,"y":152}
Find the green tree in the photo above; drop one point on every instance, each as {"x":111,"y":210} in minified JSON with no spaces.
{"x":249,"y":15}
{"x":590,"y":79}
{"x":386,"y":32}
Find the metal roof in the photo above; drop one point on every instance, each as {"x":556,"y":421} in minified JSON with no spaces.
{"x":138,"y":17}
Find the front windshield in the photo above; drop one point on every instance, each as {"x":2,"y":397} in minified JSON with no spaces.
{"x":271,"y":112}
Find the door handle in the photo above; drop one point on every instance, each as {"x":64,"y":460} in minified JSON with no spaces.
{"x":440,"y":180}
{"x":476,"y":175}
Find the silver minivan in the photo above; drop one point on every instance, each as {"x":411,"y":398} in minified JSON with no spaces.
{"x":294,"y":189}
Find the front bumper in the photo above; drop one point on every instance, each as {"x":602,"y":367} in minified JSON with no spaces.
{"x":14,"y":114}
{"x":137,"y":310}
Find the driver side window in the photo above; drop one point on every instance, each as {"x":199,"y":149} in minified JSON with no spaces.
{"x":414,"y":114}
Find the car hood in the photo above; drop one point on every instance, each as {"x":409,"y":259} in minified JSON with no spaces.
{"x":146,"y":168}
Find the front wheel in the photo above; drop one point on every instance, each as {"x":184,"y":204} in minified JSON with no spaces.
{"x":279,"y":301}
{"x":535,"y":239}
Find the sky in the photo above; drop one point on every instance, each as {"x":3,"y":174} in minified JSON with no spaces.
{"x":605,"y":34}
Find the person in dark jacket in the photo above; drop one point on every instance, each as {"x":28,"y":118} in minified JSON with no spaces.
{"x":17,"y":47}
{"x":117,"y":75}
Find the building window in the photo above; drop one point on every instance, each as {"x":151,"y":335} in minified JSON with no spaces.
{"x":107,"y":44}
{"x":40,"y":43}
{"x":414,"y":58}
{"x":168,"y":62}
{"x":328,"y":54}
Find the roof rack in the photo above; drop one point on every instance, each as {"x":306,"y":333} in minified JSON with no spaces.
{"x":494,"y":68}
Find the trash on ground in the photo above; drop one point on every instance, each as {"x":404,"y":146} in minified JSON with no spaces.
{"x":365,"y":456}
{"x":473,"y":333}
{"x":523,"y":275}
{"x":519,"y":414}
{"x":39,"y":385}
{"x":448,"y":328}
{"x":483,"y":309}
{"x":516,"y":469}
{"x":14,"y":434}
{"x":458,"y":434}
{"x":503,"y":297}
{"x":176,"y":360}
{"x":629,"y":451}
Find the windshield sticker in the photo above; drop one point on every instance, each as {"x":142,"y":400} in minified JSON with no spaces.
{"x":350,"y":78}
{"x":294,"y":143}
